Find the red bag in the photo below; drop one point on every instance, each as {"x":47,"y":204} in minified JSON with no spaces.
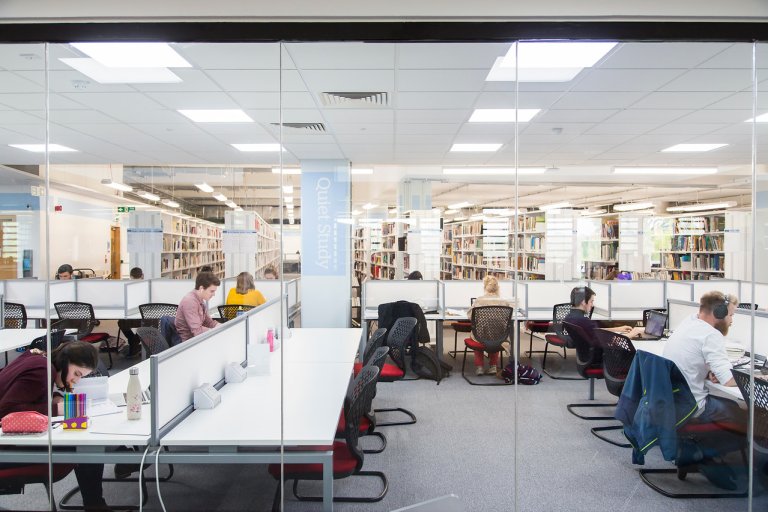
{"x":25,"y":422}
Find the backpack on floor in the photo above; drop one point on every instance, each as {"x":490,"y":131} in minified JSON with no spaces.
{"x":524,"y":374}
{"x":425,"y":364}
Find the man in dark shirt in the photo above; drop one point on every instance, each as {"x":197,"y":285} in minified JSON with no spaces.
{"x":582,"y":302}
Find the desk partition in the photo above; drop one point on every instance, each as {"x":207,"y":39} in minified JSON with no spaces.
{"x":538,"y":297}
{"x":630,"y":298}
{"x":679,"y":290}
{"x":106,"y":297}
{"x":761,"y":294}
{"x":720,"y":285}
{"x":424,"y":293}
{"x":171,"y":291}
{"x":137,"y":292}
{"x":679,"y":310}
{"x":602,"y":291}
{"x":29,"y":292}
{"x":458,"y":294}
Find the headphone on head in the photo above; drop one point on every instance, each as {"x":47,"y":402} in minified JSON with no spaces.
{"x":720,"y":311}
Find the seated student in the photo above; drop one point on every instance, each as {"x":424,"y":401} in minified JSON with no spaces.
{"x":64,"y":272}
{"x":245,"y":293}
{"x":205,"y":268}
{"x":271,"y":273}
{"x":24,"y":387}
{"x":582,"y":302}
{"x":415,"y":276}
{"x":491,"y":298}
{"x":126,"y":325}
{"x":192,"y":316}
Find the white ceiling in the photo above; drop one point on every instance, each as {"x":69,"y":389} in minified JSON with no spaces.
{"x":639,"y":99}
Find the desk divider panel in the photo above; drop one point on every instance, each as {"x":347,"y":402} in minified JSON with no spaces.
{"x":507,"y":290}
{"x":101,"y":294}
{"x":227,"y":284}
{"x":541,"y":296}
{"x":630,"y":298}
{"x":269,"y":288}
{"x":30,"y":292}
{"x":137,"y":292}
{"x":741,"y":330}
{"x":61,"y":291}
{"x":679,"y":310}
{"x":458,"y":294}
{"x":603,"y":300}
{"x":170,"y":291}
{"x":761,"y":294}
{"x":679,"y":290}
{"x":720,"y":285}
{"x":425,"y":293}
{"x":291,"y":288}
{"x":268,"y":317}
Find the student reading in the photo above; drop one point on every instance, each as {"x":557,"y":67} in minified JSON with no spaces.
{"x":192,"y":316}
{"x":245,"y":292}
{"x":491,"y":298}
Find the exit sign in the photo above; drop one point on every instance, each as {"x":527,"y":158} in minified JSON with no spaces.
{"x":123,"y":209}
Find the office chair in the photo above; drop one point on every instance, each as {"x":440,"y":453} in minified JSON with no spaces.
{"x":14,"y":480}
{"x":589,"y":363}
{"x":152,"y":312}
{"x":80,"y":315}
{"x":618,"y":354}
{"x":152,"y":340}
{"x":167,"y":327}
{"x":40,"y":343}
{"x":230,"y":311}
{"x":368,"y":421}
{"x":538,"y":327}
{"x":760,"y":399}
{"x":397,"y":339}
{"x":490,"y":329}
{"x":347,"y":456}
{"x":558,"y":337}
{"x":461,"y":326}
{"x":14,"y":315}
{"x":371,"y":346}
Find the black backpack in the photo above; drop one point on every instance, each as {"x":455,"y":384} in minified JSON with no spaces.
{"x":425,"y":364}
{"x":523,"y":373}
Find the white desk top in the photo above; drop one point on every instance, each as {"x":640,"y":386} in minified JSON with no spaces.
{"x":11,"y":339}
{"x":321,"y":345}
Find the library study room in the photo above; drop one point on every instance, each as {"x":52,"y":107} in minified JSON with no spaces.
{"x":386,"y":275}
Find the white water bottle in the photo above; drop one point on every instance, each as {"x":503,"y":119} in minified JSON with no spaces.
{"x":133,"y":395}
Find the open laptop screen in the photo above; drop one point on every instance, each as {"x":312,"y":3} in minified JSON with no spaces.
{"x":655,"y":324}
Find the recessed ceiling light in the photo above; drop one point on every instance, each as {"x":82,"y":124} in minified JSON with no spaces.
{"x":369,"y":206}
{"x":590,"y":213}
{"x":148,"y":195}
{"x":133,"y":55}
{"x":450,"y":211}
{"x":554,"y":206}
{"x":484,"y":148}
{"x":503,"y":115}
{"x":288,"y":199}
{"x":361,"y":170}
{"x":491,"y":171}
{"x":204,"y":187}
{"x":499,"y":73}
{"x":171,"y":203}
{"x":762,"y":118}
{"x":701,"y":207}
{"x":692,"y":148}
{"x":116,"y":185}
{"x":630,"y":207}
{"x":105,"y":75}
{"x":220,"y":197}
{"x":230,"y":115}
{"x":459,"y":219}
{"x":556,"y":54}
{"x":459,"y":206}
{"x":286,"y":170}
{"x":665,"y":170}
{"x":40,"y":148}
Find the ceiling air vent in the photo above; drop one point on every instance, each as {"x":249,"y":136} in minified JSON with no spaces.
{"x":354,"y":99}
{"x":312,"y":127}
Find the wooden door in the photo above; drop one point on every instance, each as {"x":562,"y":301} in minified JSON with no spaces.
{"x":114,"y":244}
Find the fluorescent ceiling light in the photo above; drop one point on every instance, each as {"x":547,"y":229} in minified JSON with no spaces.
{"x":630,"y":207}
{"x":492,"y":171}
{"x":553,"y":206}
{"x":288,"y":199}
{"x":116,"y":185}
{"x":556,"y":54}
{"x":40,"y":148}
{"x":692,"y":148}
{"x":286,"y":170}
{"x":486,"y":148}
{"x":762,"y":118}
{"x":499,"y":73}
{"x":106,"y":75}
{"x":171,"y":203}
{"x":458,"y":206}
{"x":701,"y":207}
{"x":238,"y":209}
{"x":665,"y":170}
{"x":231,"y":204}
{"x":369,"y":206}
{"x":287,"y":189}
{"x":589,"y":213}
{"x":450,"y":211}
{"x":361,"y":170}
{"x":502,"y":115}
{"x":258,"y":148}
{"x":476,"y":216}
{"x":232,"y":115}
{"x":500,"y":212}
{"x":133,"y":55}
{"x":220,"y":197}
{"x":457,"y":219}
{"x":148,"y":195}
{"x":204,"y":187}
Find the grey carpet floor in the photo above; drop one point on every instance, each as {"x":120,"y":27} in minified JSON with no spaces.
{"x":468,"y":441}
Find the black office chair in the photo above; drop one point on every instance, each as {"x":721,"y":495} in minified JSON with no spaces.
{"x":460,"y":326}
{"x":490,"y":329}
{"x":80,"y":316}
{"x":152,"y":312}
{"x":536,"y":327}
{"x":559,"y":337}
{"x":589,"y":363}
{"x":618,"y":354}
{"x":152,"y":340}
{"x":398,"y":338}
{"x":230,"y":311}
{"x":40,"y":343}
{"x":375,"y":342}
{"x":368,"y":421}
{"x":13,"y":480}
{"x":14,"y":315}
{"x":760,"y":399}
{"x":348,"y":457}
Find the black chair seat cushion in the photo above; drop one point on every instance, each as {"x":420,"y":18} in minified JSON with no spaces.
{"x":462,"y":326}
{"x":537,"y":325}
{"x":556,"y":340}
{"x":344,"y":464}
{"x":95,"y":337}
{"x":694,"y":427}
{"x":391,"y":371}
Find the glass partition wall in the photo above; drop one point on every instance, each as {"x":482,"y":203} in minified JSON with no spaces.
{"x":547,"y":165}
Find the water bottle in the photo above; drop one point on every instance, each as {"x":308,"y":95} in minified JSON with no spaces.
{"x":239,"y":311}
{"x":133,"y":395}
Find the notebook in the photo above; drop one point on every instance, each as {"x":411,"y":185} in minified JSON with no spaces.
{"x":654,"y":327}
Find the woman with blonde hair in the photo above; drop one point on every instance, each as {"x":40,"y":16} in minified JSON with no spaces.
{"x":245,"y":292}
{"x":491,"y":298}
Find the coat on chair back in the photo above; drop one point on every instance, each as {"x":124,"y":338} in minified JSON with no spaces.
{"x":391,"y":311}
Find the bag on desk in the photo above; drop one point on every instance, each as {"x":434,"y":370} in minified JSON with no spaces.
{"x":25,"y":422}
{"x":425,"y":364}
{"x":523,"y":373}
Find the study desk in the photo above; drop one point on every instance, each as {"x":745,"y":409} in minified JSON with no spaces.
{"x":297,"y":406}
{"x":11,"y":339}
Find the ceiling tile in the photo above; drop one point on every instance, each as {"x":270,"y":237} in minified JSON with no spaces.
{"x":625,"y":79}
{"x":441,"y":80}
{"x":718,"y":80}
{"x":342,"y":56}
{"x":662,"y":55}
{"x":435,"y":100}
{"x":449,"y":55}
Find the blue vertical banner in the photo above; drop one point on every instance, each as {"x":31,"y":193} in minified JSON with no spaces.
{"x":325,"y":233}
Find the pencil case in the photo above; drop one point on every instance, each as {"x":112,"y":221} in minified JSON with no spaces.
{"x":24,"y":422}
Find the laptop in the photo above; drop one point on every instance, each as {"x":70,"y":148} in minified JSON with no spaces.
{"x":654,"y":327}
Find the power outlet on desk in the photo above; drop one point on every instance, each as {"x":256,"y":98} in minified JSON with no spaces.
{"x":206,"y":397}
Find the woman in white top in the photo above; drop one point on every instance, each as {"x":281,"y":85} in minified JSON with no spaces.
{"x":491,"y":298}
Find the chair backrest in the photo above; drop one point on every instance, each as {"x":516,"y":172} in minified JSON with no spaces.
{"x":152,"y":339}
{"x":14,"y":315}
{"x":374,"y":342}
{"x":389,"y":312}
{"x":167,"y":327}
{"x":618,"y":354}
{"x":647,"y":313}
{"x":491,"y":325}
{"x":588,"y":353}
{"x":760,"y":398}
{"x":78,"y":315}
{"x":356,"y":404}
{"x":57,"y":336}
{"x":157,"y":310}
{"x":378,"y":358}
{"x":746,"y":305}
{"x":560,"y":311}
{"x":230,"y":311}
{"x":398,"y":337}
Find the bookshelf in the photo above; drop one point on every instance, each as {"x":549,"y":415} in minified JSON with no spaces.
{"x":531,"y":255}
{"x":697,"y":250}
{"x":388,"y":261}
{"x":599,"y":243}
{"x":365,"y":241}
{"x":250,"y":244}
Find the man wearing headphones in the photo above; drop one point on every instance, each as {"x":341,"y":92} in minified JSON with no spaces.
{"x":697,"y":347}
